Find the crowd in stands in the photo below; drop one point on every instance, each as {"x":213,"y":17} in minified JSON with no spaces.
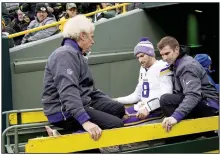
{"x":17,"y":17}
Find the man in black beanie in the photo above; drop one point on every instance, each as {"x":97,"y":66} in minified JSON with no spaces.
{"x":41,"y":19}
{"x":41,"y":8}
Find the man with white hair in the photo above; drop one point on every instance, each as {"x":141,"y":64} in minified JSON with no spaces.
{"x":70,"y":98}
{"x":155,"y":79}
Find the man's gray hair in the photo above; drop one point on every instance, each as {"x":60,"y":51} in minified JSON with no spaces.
{"x":75,"y":25}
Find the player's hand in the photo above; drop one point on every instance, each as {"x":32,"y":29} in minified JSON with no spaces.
{"x":92,"y":129}
{"x":142,"y":113}
{"x":168,"y":123}
{"x":126,"y":116}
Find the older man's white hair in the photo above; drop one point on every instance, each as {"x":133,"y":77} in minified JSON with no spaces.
{"x":74,"y":26}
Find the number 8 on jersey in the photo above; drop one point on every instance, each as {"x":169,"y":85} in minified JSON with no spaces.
{"x":145,"y":89}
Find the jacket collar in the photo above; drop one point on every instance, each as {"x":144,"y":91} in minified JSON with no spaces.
{"x":72,"y":43}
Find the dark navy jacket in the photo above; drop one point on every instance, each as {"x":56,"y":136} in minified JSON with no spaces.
{"x":191,"y":79}
{"x":68,"y":84}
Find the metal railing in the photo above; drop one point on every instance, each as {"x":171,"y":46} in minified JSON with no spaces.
{"x":61,"y":22}
{"x":15,"y":127}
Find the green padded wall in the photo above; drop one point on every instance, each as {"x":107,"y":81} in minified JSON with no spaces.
{"x":112,"y":63}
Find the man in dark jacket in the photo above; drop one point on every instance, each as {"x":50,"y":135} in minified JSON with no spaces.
{"x":106,"y":14}
{"x":29,"y":9}
{"x":193,"y":96}
{"x":206,"y":62}
{"x":56,"y":9}
{"x":6,"y":15}
{"x":20,"y":23}
{"x":5,"y":32}
{"x":70,"y":98}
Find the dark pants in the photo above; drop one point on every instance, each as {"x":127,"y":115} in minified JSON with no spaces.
{"x":169,"y":103}
{"x":106,"y":114}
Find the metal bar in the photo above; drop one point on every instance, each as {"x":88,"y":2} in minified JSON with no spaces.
{"x":9,"y":149}
{"x":22,"y":110}
{"x":16,"y":140}
{"x":3,"y":144}
{"x":7,"y":125}
{"x":21,"y":148}
{"x":61,"y":22}
{"x":124,"y":9}
{"x":18,"y":126}
{"x":31,"y":130}
{"x":23,"y":126}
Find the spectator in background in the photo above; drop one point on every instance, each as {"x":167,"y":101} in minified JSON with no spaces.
{"x":106,"y":14}
{"x":29,"y":9}
{"x":206,"y":62}
{"x":3,"y":24}
{"x":118,"y":10}
{"x":85,"y":8}
{"x":94,"y":17}
{"x":41,"y":20}
{"x":71,"y":11}
{"x":5,"y":15}
{"x":20,"y":23}
{"x":6,"y":19}
{"x":12,"y":8}
{"x":5,"y":34}
{"x":55,"y":8}
{"x":133,"y":6}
